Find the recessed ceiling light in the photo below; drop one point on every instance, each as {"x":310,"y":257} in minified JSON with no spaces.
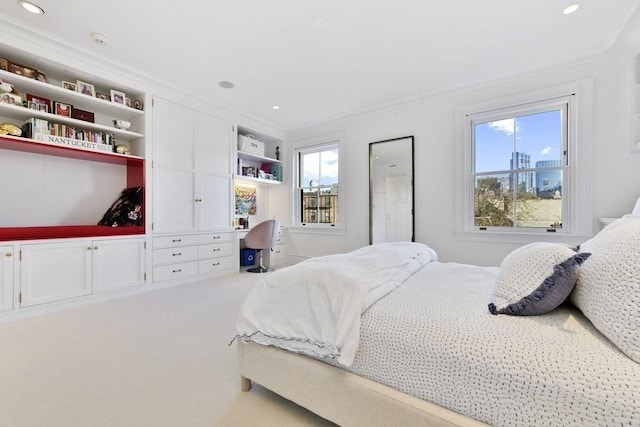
{"x":100,"y":39}
{"x":225,"y":84}
{"x":570,"y":9}
{"x":275,"y":107}
{"x":31,"y":7}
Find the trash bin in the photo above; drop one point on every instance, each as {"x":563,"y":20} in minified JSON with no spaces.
{"x":247,"y":256}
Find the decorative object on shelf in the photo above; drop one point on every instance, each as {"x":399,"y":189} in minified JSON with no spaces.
{"x":137,"y":104}
{"x":10,"y":98}
{"x":4,"y":64}
{"x":63,"y":109}
{"x":42,"y":102}
{"x":86,"y":116}
{"x":104,"y":96}
{"x":86,"y":88}
{"x":126,"y":210}
{"x":21,"y":70}
{"x":6,"y":86}
{"x":277,"y":153}
{"x":127,"y":101}
{"x":122,"y":124}
{"x":70,"y":86}
{"x":122,"y":149}
{"x":250,"y":144}
{"x":40,"y":76}
{"x":118,"y":97}
{"x":10,"y":129}
{"x":249,"y":171}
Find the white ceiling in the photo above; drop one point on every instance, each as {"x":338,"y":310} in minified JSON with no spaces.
{"x":323,"y":59}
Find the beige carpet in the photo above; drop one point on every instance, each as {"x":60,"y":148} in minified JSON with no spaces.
{"x":155,"y":359}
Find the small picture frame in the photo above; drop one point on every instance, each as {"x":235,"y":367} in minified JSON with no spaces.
{"x":4,"y":64}
{"x":43,"y":108}
{"x":70,"y":86}
{"x":63,"y":109}
{"x":118,"y":97}
{"x":127,"y":101}
{"x":32,"y":105}
{"x":40,"y":76}
{"x":21,"y":70}
{"x":104,"y":96}
{"x":86,"y":88}
{"x":137,"y":104}
{"x":10,"y":98}
{"x":40,"y":101}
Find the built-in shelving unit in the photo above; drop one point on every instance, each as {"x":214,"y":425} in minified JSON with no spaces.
{"x":256,"y":161}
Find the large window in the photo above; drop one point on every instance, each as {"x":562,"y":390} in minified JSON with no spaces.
{"x":318,"y":184}
{"x":520,"y":167}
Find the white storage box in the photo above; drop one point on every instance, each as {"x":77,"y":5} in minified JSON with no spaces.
{"x":248,"y":144}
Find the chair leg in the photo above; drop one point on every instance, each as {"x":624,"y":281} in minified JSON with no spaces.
{"x":260,"y":268}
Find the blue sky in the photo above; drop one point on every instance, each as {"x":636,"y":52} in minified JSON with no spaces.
{"x":320,"y":167}
{"x":539,"y":135}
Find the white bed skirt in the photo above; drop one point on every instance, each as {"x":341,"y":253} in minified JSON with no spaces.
{"x":336,"y":395}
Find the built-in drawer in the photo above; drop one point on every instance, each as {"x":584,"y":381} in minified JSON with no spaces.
{"x":175,"y":255}
{"x":215,"y":250}
{"x":279,"y":240}
{"x":216,"y":264}
{"x":215,"y":238}
{"x":178,"y":240}
{"x":174,"y":271}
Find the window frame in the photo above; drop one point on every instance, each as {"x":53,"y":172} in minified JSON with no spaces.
{"x":318,"y":144}
{"x":562,"y":103}
{"x":579,"y":216}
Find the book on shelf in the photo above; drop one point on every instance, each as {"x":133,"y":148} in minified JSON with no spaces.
{"x":56,"y":133}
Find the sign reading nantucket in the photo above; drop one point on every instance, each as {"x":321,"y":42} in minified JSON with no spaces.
{"x":87,"y":145}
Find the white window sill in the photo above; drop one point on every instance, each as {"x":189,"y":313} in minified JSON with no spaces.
{"x":523,"y":238}
{"x":316,"y":229}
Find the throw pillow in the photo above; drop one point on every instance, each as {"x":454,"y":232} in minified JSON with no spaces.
{"x":608,"y":286}
{"x":535,"y":279}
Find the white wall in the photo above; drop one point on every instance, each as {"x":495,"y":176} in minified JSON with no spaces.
{"x":615,"y":172}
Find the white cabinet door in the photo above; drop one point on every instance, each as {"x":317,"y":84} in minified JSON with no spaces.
{"x":174,"y":128}
{"x":214,"y":205}
{"x":118,"y":264}
{"x":213,"y":145}
{"x":173,"y":201}
{"x":6,"y":278}
{"x":55,"y":271}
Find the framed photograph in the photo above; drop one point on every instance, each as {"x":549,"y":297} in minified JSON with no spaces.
{"x":40,"y":101}
{"x":40,"y":76}
{"x":127,"y":101}
{"x":4,"y":64}
{"x":86,"y":88}
{"x":104,"y":96}
{"x":10,"y":98}
{"x":70,"y":86}
{"x":43,"y":107}
{"x":137,"y":104}
{"x":118,"y":97}
{"x":32,"y":105}
{"x":22,"y":70}
{"x":63,"y":109}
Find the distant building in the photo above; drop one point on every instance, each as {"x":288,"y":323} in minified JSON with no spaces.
{"x":524,"y":180}
{"x":549,"y":183}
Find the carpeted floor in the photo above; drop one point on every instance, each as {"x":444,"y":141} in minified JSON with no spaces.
{"x":155,"y":359}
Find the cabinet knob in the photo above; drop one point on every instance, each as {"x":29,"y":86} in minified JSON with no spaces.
{"x":90,"y":248}
{"x":8,"y":254}
{"x":95,"y":248}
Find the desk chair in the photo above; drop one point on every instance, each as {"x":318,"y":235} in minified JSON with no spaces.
{"x":261,"y":237}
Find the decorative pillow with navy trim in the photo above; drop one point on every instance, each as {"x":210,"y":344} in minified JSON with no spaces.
{"x":535,"y":279}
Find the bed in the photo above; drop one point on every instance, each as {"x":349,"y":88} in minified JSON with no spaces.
{"x":548,"y":338}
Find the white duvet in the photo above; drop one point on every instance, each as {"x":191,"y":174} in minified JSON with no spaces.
{"x":314,"y":307}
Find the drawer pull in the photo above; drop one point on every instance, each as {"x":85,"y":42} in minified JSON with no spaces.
{"x":215,"y":264}
{"x":216,"y":250}
{"x":216,"y":237}
{"x":178,"y":270}
{"x":176,"y":240}
{"x":178,"y":254}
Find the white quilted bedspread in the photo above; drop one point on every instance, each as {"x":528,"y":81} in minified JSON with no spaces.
{"x":434,"y":338}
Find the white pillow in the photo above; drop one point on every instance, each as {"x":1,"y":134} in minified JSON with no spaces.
{"x":535,"y":279}
{"x":608,"y":287}
{"x":636,"y":208}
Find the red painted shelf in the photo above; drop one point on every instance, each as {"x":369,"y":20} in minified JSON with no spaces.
{"x":135,"y":178}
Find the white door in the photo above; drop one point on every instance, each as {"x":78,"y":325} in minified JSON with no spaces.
{"x":398,"y":209}
{"x":173,"y":135}
{"x":173,"y":201}
{"x":214,"y":205}
{"x":6,"y":278}
{"x":55,"y":271}
{"x":118,"y":264}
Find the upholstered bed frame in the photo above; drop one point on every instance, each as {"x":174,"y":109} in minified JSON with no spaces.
{"x":336,"y":395}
